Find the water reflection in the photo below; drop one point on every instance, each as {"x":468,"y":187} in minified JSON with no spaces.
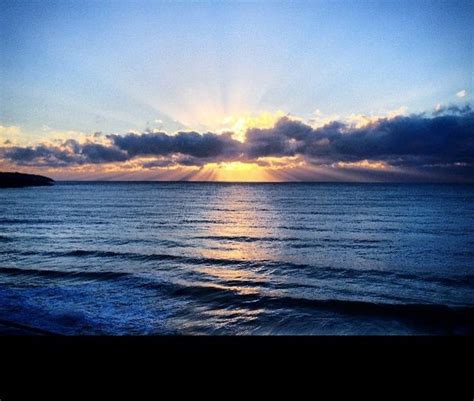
{"x":237,"y":232}
{"x":239,"y":225}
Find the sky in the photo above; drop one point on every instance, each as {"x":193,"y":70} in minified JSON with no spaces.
{"x":238,"y":91}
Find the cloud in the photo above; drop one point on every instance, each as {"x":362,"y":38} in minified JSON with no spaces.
{"x":461,"y":94}
{"x":69,"y":153}
{"x":416,"y":140}
{"x":452,"y":109}
{"x":207,"y":146}
{"x":440,"y":142}
{"x":95,"y":153}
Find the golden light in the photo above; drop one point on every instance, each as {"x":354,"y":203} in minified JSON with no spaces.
{"x":234,"y":172}
{"x":366,"y":164}
{"x":240,"y":124}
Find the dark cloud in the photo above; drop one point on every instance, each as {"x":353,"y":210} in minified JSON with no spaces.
{"x":70,"y":153}
{"x":439,"y":144}
{"x":208,"y":146}
{"x":414,"y":140}
{"x":452,"y":109}
{"x":95,"y":153}
{"x":176,"y":161}
{"x":446,"y":139}
{"x":159,"y":163}
{"x":41,"y":155}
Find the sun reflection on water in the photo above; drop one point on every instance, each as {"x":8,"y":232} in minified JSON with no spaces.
{"x":234,"y":234}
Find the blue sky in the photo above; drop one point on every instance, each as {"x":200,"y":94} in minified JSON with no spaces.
{"x":115,"y":66}
{"x":121,"y":66}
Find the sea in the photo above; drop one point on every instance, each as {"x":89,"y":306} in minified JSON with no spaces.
{"x":182,"y":258}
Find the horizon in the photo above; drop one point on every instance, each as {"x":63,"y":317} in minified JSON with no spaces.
{"x":112,"y":180}
{"x":238,"y":92}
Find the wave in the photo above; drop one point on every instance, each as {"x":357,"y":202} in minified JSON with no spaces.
{"x":147,"y":257}
{"x":26,"y":221}
{"x":299,"y":243}
{"x":301,"y":227}
{"x":418,"y":311}
{"x":244,"y":238}
{"x":312,"y":271}
{"x":4,"y":238}
{"x":225,"y":296}
{"x":464,"y":280}
{"x":101,"y":275}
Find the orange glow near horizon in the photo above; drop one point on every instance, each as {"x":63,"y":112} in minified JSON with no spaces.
{"x":234,"y":172}
{"x":148,"y":168}
{"x":264,"y":170}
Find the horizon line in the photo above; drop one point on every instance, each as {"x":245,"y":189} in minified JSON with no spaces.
{"x":266,"y":182}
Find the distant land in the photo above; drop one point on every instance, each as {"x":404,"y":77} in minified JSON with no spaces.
{"x":18,"y":180}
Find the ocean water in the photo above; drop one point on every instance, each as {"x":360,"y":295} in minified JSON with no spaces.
{"x":198,"y":258}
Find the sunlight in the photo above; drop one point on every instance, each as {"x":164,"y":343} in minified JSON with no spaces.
{"x":240,"y":124}
{"x":367,"y":164}
{"x":234,"y":172}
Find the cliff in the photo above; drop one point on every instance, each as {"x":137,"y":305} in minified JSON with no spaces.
{"x":17,"y":180}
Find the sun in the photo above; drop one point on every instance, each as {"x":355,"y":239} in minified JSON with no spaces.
{"x":234,"y":172}
{"x":239,"y":124}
